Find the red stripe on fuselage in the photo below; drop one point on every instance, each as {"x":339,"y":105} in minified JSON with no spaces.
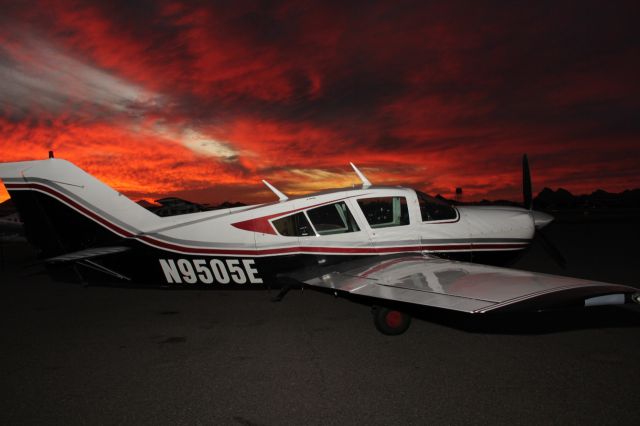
{"x":331,"y":250}
{"x":261,"y":252}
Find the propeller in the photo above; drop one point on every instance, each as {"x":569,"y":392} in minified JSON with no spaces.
{"x":526,"y":183}
{"x":540,"y":219}
{"x":551,"y":249}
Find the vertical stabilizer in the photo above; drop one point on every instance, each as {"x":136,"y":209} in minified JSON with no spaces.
{"x":65,"y":209}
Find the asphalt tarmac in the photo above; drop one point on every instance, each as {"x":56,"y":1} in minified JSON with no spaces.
{"x":73,"y":355}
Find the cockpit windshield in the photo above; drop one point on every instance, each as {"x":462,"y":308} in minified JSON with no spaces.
{"x":433,"y":209}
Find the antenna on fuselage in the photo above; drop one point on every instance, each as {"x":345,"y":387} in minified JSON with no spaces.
{"x":363,"y":178}
{"x":275,"y":190}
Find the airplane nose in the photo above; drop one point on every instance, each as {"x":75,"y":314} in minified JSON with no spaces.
{"x":541,"y":219}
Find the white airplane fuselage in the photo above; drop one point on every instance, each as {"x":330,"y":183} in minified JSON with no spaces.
{"x":251,"y":245}
{"x":487,"y":234}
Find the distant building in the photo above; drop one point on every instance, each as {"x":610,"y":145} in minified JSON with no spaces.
{"x":458,"y":194}
{"x":172,"y":206}
{"x":9,"y":217}
{"x":13,"y":218}
{"x":11,"y":228}
{"x":7,"y":208}
{"x":147,"y":205}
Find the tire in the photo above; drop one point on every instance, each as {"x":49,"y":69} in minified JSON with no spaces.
{"x":389,"y":321}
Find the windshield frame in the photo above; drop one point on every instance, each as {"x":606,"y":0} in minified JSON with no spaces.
{"x":423,"y":197}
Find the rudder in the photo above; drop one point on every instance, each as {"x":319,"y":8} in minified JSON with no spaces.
{"x":65,"y":209}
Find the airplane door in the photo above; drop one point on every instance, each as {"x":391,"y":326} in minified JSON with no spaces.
{"x":450,"y":239}
{"x":389,"y":225}
{"x":444,"y":231}
{"x":336,"y":232}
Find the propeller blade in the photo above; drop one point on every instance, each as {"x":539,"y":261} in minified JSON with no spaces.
{"x":526,"y":183}
{"x":551,"y":249}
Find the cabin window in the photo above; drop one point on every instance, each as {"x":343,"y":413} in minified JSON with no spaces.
{"x":295,"y":225}
{"x":383,"y":212}
{"x":433,"y":209}
{"x":332,"y":219}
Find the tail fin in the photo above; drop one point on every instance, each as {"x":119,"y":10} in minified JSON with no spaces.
{"x":65,"y":209}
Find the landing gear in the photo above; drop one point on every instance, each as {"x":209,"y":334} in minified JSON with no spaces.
{"x":389,"y":321}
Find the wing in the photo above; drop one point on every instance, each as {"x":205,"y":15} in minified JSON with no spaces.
{"x":460,"y":286}
{"x":87,"y":254}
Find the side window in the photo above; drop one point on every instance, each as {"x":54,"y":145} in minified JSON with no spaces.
{"x":295,"y":225}
{"x":433,"y":209}
{"x":332,"y":219}
{"x":382,"y":212}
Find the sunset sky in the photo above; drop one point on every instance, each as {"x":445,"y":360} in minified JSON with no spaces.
{"x":202,"y":100}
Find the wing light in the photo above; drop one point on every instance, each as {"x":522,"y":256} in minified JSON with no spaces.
{"x":363,"y":178}
{"x":275,"y":190}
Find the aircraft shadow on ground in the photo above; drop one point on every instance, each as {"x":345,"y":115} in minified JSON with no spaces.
{"x":525,"y":322}
{"x":543,"y":322}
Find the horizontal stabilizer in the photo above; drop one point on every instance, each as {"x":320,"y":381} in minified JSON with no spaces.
{"x":87,"y":254}
{"x":458,"y":286}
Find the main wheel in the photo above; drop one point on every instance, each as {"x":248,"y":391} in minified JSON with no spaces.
{"x":389,"y":321}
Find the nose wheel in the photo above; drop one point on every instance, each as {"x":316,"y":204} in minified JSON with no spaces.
{"x":389,"y":321}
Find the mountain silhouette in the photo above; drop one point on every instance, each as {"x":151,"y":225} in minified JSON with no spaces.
{"x":599,"y":199}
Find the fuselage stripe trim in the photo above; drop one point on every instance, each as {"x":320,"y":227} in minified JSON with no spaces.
{"x":263,"y":252}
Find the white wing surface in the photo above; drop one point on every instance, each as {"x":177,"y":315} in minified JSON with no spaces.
{"x":461,"y":286}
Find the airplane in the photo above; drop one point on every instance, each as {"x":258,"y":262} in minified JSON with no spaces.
{"x":391,"y":246}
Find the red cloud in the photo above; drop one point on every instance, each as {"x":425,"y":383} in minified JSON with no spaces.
{"x":193,"y":99}
{"x":136,"y":162}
